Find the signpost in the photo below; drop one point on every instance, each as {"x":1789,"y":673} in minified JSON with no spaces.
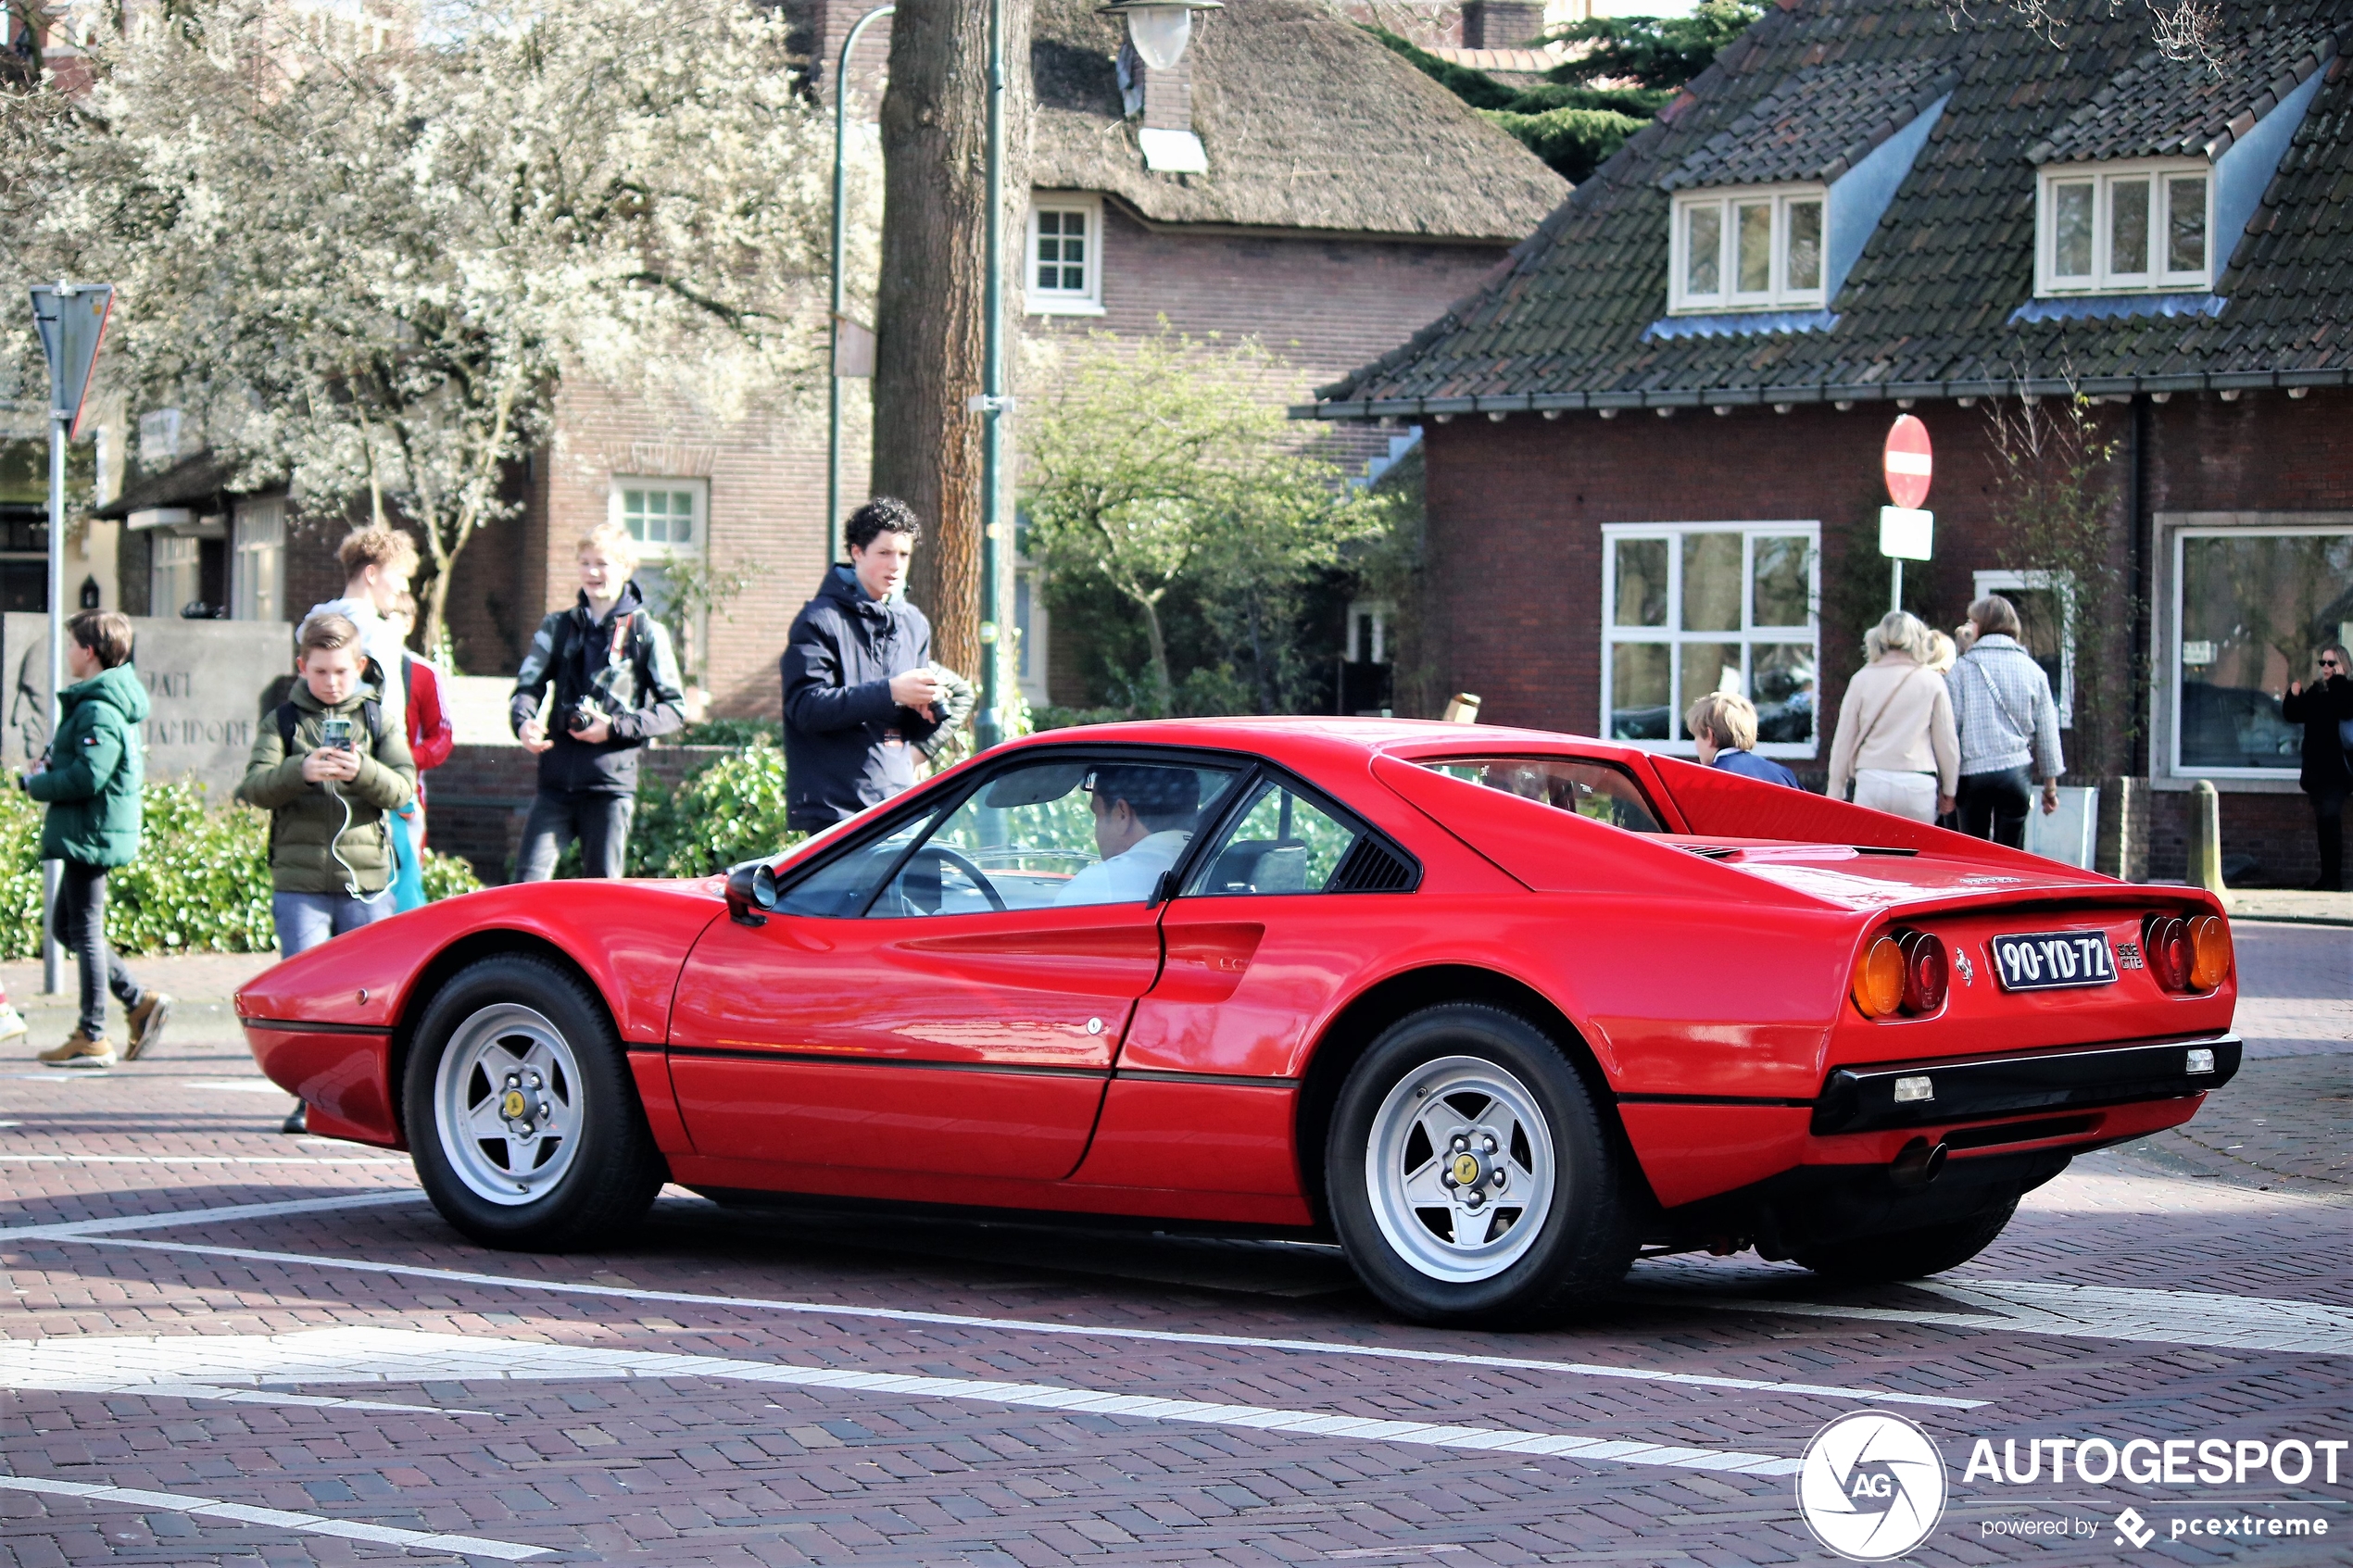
{"x":1905,"y":532}
{"x":71,"y":320}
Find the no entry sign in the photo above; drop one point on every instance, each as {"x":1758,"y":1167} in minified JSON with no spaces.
{"x":1908,"y":463}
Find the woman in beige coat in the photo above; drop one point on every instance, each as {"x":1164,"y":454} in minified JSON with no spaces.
{"x":1896,"y":737}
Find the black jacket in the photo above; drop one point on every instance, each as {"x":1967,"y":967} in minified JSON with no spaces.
{"x":846,"y":744}
{"x":626,"y":664}
{"x":2318,"y":708}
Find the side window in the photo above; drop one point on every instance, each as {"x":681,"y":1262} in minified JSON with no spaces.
{"x":839,"y":889}
{"x":1285,"y":843}
{"x":1600,"y":790}
{"x":1058,"y":833}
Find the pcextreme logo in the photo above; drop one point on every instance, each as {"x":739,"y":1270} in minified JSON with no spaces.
{"x":1871,"y":1486}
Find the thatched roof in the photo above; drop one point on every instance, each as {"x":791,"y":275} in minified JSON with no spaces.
{"x":1308,"y":123}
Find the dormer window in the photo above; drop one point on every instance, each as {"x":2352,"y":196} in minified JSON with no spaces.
{"x":1754,"y":247}
{"x":2125,"y":228}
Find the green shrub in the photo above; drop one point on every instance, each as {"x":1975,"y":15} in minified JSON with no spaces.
{"x":201,"y":882}
{"x":730,"y":810}
{"x":728,"y":732}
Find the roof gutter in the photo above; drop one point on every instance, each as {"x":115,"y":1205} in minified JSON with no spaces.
{"x":1552,"y":404}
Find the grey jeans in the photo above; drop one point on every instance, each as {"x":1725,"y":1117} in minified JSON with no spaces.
{"x":305,"y":919}
{"x":558,"y":816}
{"x":80,"y":927}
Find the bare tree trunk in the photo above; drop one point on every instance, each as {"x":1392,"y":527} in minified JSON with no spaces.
{"x":930,"y":303}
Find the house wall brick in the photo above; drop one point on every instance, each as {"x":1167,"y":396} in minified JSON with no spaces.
{"x":1515,"y":510}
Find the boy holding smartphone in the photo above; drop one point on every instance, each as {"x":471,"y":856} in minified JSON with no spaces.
{"x":329,"y":769}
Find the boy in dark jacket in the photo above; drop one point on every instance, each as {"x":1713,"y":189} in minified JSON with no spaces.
{"x":617,"y":687}
{"x":90,"y":781}
{"x":860,"y":690}
{"x":2323,"y":707}
{"x":329,"y":769}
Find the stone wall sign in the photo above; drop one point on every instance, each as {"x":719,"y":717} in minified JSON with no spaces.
{"x":206,"y":679}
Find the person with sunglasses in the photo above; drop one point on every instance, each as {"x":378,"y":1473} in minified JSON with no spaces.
{"x":2325,"y":709}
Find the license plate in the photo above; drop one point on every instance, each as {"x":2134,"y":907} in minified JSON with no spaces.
{"x":2047,"y":961}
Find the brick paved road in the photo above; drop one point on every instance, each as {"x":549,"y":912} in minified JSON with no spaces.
{"x":274,"y":1381}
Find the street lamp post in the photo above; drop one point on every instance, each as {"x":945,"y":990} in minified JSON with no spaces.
{"x":841,"y":244}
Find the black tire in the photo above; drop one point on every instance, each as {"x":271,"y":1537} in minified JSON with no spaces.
{"x":605,"y":1183}
{"x":1582,"y":1242}
{"x":1912,"y":1254}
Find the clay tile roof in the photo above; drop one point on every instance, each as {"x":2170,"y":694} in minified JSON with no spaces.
{"x":1308,"y":123}
{"x":1818,"y":123}
{"x":1933,"y":305}
{"x":2157,"y":107}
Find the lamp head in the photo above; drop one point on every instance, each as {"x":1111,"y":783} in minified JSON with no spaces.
{"x":1159,"y":28}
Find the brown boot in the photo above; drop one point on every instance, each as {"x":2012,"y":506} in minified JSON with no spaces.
{"x":82,"y":1049}
{"x":147,"y":1024}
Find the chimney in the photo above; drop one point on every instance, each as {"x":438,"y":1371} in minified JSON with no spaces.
{"x":1162,"y":103}
{"x":1502,"y":24}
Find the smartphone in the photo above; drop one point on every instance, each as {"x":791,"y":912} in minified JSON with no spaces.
{"x":334,"y":734}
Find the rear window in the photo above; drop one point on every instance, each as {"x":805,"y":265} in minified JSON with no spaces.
{"x":1602,"y":791}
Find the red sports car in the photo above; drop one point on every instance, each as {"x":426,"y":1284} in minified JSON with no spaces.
{"x":1498,"y":1008}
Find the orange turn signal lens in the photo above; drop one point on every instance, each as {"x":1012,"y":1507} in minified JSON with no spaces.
{"x":1879,"y":978}
{"x":2210,"y":939}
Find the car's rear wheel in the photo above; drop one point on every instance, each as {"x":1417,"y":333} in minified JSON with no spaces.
{"x":523,"y":1121}
{"x":1912,"y":1254}
{"x":1469,"y":1175}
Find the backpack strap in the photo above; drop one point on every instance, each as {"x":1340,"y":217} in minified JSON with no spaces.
{"x":288,"y":717}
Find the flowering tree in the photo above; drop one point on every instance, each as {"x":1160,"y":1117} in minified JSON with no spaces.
{"x":365,"y":264}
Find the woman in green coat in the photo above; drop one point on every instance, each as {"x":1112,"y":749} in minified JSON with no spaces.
{"x":91,"y":780}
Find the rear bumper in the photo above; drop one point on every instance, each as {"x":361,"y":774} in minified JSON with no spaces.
{"x":1862,"y":1099}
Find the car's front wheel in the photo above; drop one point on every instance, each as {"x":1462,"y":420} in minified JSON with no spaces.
{"x":1469,"y":1175}
{"x":523,"y":1119}
{"x":1913,"y":1254}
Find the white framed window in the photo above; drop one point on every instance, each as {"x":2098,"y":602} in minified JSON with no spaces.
{"x":2046,"y":603}
{"x":670,"y":520}
{"x":1032,"y":632}
{"x":1753,"y":248}
{"x":1368,"y":632}
{"x":2125,"y":228}
{"x":1063,"y":273}
{"x":258,"y":561}
{"x":2248,"y":602}
{"x":175,"y":572}
{"x":1689,"y":608}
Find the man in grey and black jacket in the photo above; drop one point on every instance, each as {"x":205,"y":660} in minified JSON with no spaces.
{"x":861,"y":693}
{"x":617,"y":686}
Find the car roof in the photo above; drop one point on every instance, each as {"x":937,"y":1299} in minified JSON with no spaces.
{"x":1303,"y":739}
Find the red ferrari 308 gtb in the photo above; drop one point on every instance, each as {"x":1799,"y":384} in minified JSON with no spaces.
{"x":1498,"y":1008}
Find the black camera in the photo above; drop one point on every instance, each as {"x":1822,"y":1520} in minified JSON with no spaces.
{"x":580,"y":715}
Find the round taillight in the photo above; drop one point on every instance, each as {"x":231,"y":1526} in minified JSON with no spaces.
{"x":1879,"y":978}
{"x":2210,"y":947}
{"x":2172,"y":955}
{"x":1926,"y":975}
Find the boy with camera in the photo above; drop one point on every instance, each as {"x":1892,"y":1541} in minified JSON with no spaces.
{"x":616,"y":687}
{"x":329,"y":768}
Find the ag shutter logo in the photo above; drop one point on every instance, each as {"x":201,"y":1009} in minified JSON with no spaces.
{"x":1871,"y":1486}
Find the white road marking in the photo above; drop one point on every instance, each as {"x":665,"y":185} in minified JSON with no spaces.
{"x":386,"y":1355}
{"x":308,"y":1523}
{"x":191,"y":1159}
{"x":2087,"y":1312}
{"x":1023,"y":1325}
{"x":77,"y":1230}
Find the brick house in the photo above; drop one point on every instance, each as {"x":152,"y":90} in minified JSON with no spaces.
{"x":1674,"y":399}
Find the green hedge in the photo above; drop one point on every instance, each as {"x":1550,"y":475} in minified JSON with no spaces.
{"x":727,"y":811}
{"x":201,"y":882}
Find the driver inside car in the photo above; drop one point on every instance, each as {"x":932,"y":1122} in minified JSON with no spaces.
{"x":1143,"y":819}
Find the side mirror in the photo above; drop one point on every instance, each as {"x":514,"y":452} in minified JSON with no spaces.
{"x":752,"y":893}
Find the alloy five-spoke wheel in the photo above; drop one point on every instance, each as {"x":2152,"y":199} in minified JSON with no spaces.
{"x":1469,"y":1175}
{"x":1459,"y":1169}
{"x":520,"y":1111}
{"x":504,"y":1100}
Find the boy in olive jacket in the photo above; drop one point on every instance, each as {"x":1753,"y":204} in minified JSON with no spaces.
{"x":328,"y":770}
{"x":90,"y":781}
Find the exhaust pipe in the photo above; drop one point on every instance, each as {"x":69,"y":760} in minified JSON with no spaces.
{"x":1916,"y":1164}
